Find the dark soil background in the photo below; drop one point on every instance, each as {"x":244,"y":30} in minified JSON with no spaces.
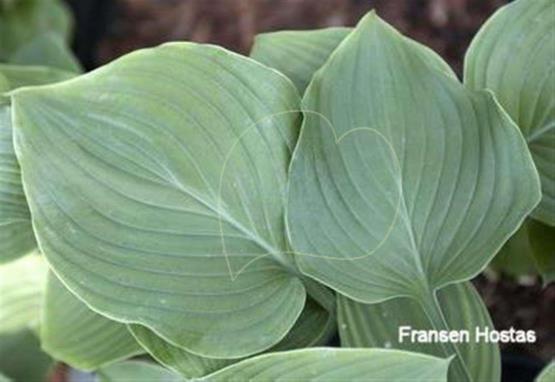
{"x":107,"y":29}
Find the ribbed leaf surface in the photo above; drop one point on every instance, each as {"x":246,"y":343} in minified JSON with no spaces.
{"x":403,"y":180}
{"x":157,"y":188}
{"x":314,"y":328}
{"x":16,"y":234}
{"x":378,"y":325}
{"x":329,"y":364}
{"x":71,"y":332}
{"x":512,"y":55}
{"x":297,"y":54}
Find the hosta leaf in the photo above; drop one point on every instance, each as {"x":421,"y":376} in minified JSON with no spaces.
{"x":398,"y":197}
{"x":4,"y":85}
{"x":314,"y":327}
{"x":21,"y":292}
{"x":21,"y":358}
{"x":178,"y":359}
{"x":403,"y":180}
{"x":137,"y":371}
{"x":530,"y":250}
{"x":515,"y":257}
{"x":3,"y":378}
{"x":547,"y":374}
{"x":378,"y":325}
{"x":48,"y":49}
{"x":71,"y":332}
{"x":543,"y":248}
{"x":16,"y":234}
{"x":21,"y":21}
{"x":513,"y":56}
{"x":156,"y":185}
{"x":18,"y":75}
{"x":297,"y":54}
{"x":329,"y":364}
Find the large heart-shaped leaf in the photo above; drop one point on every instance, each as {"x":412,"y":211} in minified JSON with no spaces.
{"x":392,"y":183}
{"x":21,"y":21}
{"x":155,"y":183}
{"x":16,"y":234}
{"x":71,"y":332}
{"x":513,"y":56}
{"x":378,"y":325}
{"x":403,"y":180}
{"x":314,"y":327}
{"x":330,"y":364}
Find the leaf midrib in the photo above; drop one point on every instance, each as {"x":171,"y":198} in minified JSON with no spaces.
{"x":223,"y":215}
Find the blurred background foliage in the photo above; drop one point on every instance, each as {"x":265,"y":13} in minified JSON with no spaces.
{"x":121,"y":26}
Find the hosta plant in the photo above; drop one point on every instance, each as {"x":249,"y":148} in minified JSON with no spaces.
{"x":223,"y":216}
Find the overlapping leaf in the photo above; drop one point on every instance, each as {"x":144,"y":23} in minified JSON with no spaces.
{"x":529,"y":251}
{"x":21,"y":293}
{"x":21,"y":358}
{"x":18,"y":75}
{"x":73,"y":333}
{"x":16,"y":234}
{"x":513,"y":56}
{"x":392,"y":183}
{"x":547,"y":374}
{"x":137,"y":371}
{"x":378,"y":325}
{"x":314,"y":328}
{"x":155,"y":181}
{"x":330,"y":364}
{"x":47,"y":49}
{"x":299,"y":54}
{"x":403,"y":180}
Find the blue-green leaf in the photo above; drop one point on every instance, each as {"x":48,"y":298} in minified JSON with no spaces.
{"x":157,"y":190}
